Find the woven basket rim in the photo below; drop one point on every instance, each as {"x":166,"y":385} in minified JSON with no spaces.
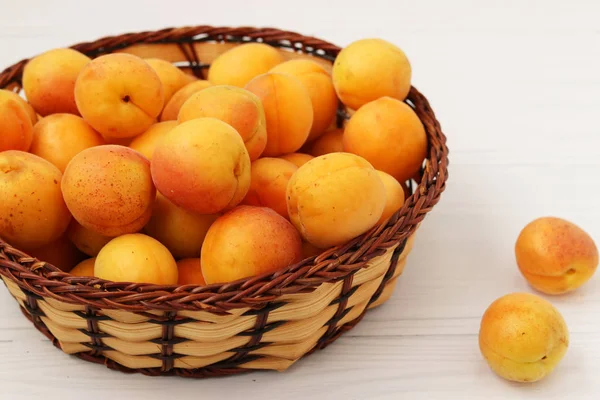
{"x":334,"y":264}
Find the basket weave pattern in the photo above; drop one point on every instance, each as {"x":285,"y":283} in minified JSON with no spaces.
{"x":263,"y":322}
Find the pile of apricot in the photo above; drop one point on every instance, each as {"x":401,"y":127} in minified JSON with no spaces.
{"x":130,"y":169}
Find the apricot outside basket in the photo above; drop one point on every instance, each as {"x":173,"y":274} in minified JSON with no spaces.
{"x":264,"y":322}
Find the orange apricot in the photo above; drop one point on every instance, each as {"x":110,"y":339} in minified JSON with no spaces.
{"x":32,"y":211}
{"x":237,"y":107}
{"x":320,"y":88}
{"x":330,"y":142}
{"x":268,"y":183}
{"x":248,"y":241}
{"x":84,"y":268}
{"x":147,"y":141}
{"x":49,"y":81}
{"x":136,"y":258}
{"x":119,"y":95}
{"x":288,"y":110}
{"x":334,"y":198}
{"x":15,"y":122}
{"x":394,"y":195}
{"x":86,"y":240}
{"x":555,"y":255}
{"x":190,"y":272}
{"x":173,"y":106}
{"x":298,"y":159}
{"x":109,"y":189}
{"x":60,"y":137}
{"x":202,"y":165}
{"x":181,"y":231}
{"x":242,"y":63}
{"x":369,"y":69}
{"x":388,"y":134}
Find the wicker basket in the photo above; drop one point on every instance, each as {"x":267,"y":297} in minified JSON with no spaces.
{"x":264,"y":322}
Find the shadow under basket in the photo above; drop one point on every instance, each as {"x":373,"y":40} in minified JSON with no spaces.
{"x":264,"y":322}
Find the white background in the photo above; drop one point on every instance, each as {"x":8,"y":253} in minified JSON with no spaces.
{"x":516,"y":86}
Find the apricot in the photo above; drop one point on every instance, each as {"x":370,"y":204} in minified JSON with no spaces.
{"x":240,"y":64}
{"x":330,"y":142}
{"x":17,"y":130}
{"x":555,"y":256}
{"x":298,"y":159}
{"x":309,"y":250}
{"x":109,"y":189}
{"x":49,"y":80}
{"x":84,"y":268}
{"x":119,"y":95}
{"x":335,"y":198}
{"x":522,"y":337}
{"x":369,"y":69}
{"x":118,"y":141}
{"x":320,"y":88}
{"x":136,"y":258}
{"x":202,"y":166}
{"x":173,"y":106}
{"x":61,"y":253}
{"x":32,"y":211}
{"x":190,"y":272}
{"x":86,"y":240}
{"x":394,"y":195}
{"x":248,"y":241}
{"x":181,"y":231}
{"x":190,"y":77}
{"x":28,"y":108}
{"x":147,"y":141}
{"x":268,"y":183}
{"x":59,"y":137}
{"x":171,"y":77}
{"x":288,"y":110}
{"x":235,"y":106}
{"x":388,"y":133}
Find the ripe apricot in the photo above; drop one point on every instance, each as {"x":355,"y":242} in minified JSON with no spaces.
{"x":388,"y":134}
{"x":32,"y":211}
{"x":240,"y":64}
{"x":298,"y":159}
{"x":172,"y":108}
{"x":330,"y":142}
{"x":523,"y":337}
{"x":181,"y":231}
{"x":394,"y":195}
{"x":288,"y":110}
{"x":190,"y":272}
{"x":320,"y":88}
{"x":335,"y":198}
{"x":84,"y":268}
{"x":49,"y":81}
{"x":555,"y":255}
{"x":86,"y":240}
{"x":268,"y":183}
{"x":146,"y":143}
{"x":136,"y":258}
{"x":369,"y":69}
{"x":202,"y":166}
{"x":109,"y":189}
{"x":171,"y":77}
{"x":15,"y":122}
{"x":60,"y":137}
{"x":119,"y":95}
{"x":248,"y":241}
{"x":237,"y":107}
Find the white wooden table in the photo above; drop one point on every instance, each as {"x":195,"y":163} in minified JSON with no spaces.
{"x":516,"y":85}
